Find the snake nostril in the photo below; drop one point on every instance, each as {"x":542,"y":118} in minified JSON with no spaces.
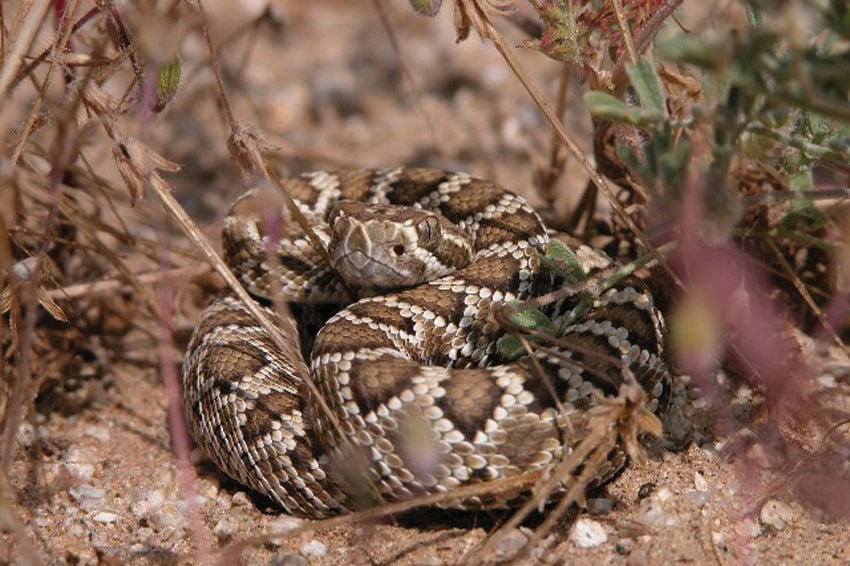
{"x":398,"y":249}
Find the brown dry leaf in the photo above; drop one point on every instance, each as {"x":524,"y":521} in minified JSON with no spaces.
{"x":32,"y":271}
{"x":470,"y":14}
{"x":138,"y":165}
{"x":247,"y":144}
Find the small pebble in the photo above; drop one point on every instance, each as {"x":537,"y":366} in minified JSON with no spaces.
{"x":747,"y":528}
{"x":776,"y":514}
{"x":79,"y":465}
{"x":223,"y":530}
{"x":285,"y":523}
{"x":314,"y":549}
{"x":600,"y":505}
{"x":98,"y":432}
{"x":654,"y":513}
{"x":697,"y":497}
{"x":207,"y":489}
{"x":241,"y":499}
{"x":197,"y":456}
{"x":287,"y":559}
{"x":26,"y":434}
{"x":700,"y":482}
{"x":84,"y":492}
{"x":89,"y":498}
{"x":623,"y":546}
{"x":588,"y":533}
{"x":144,"y":501}
{"x":166,"y":517}
{"x":510,"y":542}
{"x":105,"y":517}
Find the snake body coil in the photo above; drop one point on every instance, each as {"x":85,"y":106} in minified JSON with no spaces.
{"x":419,"y":401}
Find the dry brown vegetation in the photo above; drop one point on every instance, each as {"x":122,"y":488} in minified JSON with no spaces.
{"x":127,"y":129}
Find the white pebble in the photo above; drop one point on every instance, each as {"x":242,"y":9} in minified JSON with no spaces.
{"x":700,"y":482}
{"x":223,"y":530}
{"x":26,"y":434}
{"x":287,"y":559}
{"x":105,"y":517}
{"x":286,"y":523}
{"x":314,"y":548}
{"x":776,"y":514}
{"x":510,"y":542}
{"x":241,"y":499}
{"x":84,"y":492}
{"x":98,"y":432}
{"x":167,"y":517}
{"x":588,"y":533}
{"x":79,"y":465}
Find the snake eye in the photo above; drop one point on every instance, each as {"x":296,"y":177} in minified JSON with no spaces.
{"x":428,"y":230}
{"x":398,"y":249}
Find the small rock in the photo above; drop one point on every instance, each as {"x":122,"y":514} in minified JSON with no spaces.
{"x":223,"y":530}
{"x":747,"y":528}
{"x":588,"y":533}
{"x":776,"y":514}
{"x":700,"y":482}
{"x":144,"y":501}
{"x":42,"y":522}
{"x":646,"y":490}
{"x":663,"y":494}
{"x":241,"y":499}
{"x":654,"y":513}
{"x":624,"y":546}
{"x":509,"y":543}
{"x":697,"y":497}
{"x":197,"y":456}
{"x":78,"y":465}
{"x":207,"y":489}
{"x":600,"y":505}
{"x":282,"y":525}
{"x":84,"y":492}
{"x":90,"y":498}
{"x":314,"y":549}
{"x":26,"y":434}
{"x":166,"y":517}
{"x":105,"y":517}
{"x":285,"y":523}
{"x":224,"y":502}
{"x":287,"y":559}
{"x":98,"y":432}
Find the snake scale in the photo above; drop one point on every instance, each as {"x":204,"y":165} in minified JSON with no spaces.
{"x":419,"y":399}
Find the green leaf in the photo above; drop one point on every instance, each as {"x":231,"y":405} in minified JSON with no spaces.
{"x":532,"y":319}
{"x":167,"y":81}
{"x":706,"y":52}
{"x":603,"y":105}
{"x":426,"y":7}
{"x":509,"y":348}
{"x":647,"y":84}
{"x":563,"y":261}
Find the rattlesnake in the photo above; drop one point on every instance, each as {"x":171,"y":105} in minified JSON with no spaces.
{"x":407,"y":372}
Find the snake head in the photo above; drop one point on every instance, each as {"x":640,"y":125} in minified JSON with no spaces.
{"x":381,"y":246}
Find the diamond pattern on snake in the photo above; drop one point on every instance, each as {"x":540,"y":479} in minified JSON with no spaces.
{"x":414,"y":396}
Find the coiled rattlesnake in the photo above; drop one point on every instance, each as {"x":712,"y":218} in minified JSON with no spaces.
{"x":421,"y":400}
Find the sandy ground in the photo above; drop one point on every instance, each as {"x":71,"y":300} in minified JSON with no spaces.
{"x":97,"y":480}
